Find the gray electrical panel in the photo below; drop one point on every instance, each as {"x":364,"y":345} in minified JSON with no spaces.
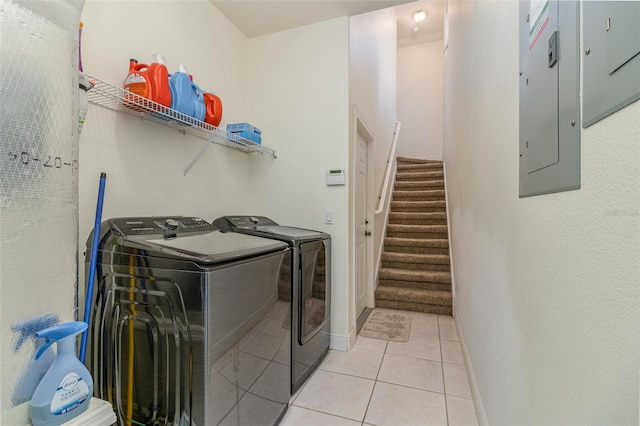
{"x":549,"y":97}
{"x":611,"y":57}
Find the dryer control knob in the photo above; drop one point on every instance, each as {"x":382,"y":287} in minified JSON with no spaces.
{"x":253,"y":220}
{"x":172,"y":223}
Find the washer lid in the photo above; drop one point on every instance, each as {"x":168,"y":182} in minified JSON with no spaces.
{"x":290,"y":232}
{"x":212,"y":247}
{"x":264,"y":227}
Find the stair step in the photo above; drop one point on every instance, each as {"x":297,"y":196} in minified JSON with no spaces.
{"x":436,"y":277}
{"x":433,"y":194}
{"x":417,"y":249}
{"x":419,"y":206}
{"x":419,"y":167}
{"x":409,"y":160}
{"x":415,"y":218}
{"x":415,"y":266}
{"x":440,"y":229}
{"x":419,"y":175}
{"x":417,"y":231}
{"x":418,"y":185}
{"x":413,"y":296}
{"x":427,"y":259}
{"x":418,"y":246}
{"x":414,"y":284}
{"x":415,"y":307}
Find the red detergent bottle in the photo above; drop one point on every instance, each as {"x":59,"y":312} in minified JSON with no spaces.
{"x":149,"y":81}
{"x":213,"y":113}
{"x":159,"y":78}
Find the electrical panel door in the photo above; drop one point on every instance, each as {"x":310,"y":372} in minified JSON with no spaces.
{"x":549,"y":97}
{"x":611,"y":57}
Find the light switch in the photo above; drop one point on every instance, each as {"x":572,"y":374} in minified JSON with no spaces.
{"x":328,"y":217}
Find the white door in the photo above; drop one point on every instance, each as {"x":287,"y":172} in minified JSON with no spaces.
{"x":361,"y":226}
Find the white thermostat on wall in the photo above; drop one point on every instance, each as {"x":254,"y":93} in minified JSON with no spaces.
{"x":335,"y":177}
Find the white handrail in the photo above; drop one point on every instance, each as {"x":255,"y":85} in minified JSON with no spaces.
{"x":392,"y":155}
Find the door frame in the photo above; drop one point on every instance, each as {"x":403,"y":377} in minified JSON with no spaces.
{"x":360,"y":128}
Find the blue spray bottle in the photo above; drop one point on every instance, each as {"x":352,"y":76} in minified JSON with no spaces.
{"x":65,"y":390}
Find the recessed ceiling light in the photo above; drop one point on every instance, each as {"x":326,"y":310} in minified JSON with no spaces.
{"x":419,"y":16}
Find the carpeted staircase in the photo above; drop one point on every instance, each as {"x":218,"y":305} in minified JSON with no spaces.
{"x":415,"y":274}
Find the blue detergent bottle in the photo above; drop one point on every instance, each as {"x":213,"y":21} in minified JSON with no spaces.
{"x":181,"y":92}
{"x":66,"y":389}
{"x":186,"y":96}
{"x":199,"y":107}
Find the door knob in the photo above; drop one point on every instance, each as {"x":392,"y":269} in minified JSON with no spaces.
{"x":367,"y":233}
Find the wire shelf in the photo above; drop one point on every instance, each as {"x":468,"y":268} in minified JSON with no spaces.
{"x":116,"y":98}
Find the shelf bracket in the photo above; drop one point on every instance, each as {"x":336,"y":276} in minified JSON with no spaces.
{"x":200,"y":152}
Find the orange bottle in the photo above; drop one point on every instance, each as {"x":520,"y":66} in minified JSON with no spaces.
{"x":149,"y":81}
{"x":213,"y":114}
{"x":137,"y":80}
{"x":159,"y":77}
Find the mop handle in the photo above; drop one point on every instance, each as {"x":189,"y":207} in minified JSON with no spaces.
{"x":88,"y":301}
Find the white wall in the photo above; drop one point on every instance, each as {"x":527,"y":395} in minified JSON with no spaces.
{"x":301,"y":85}
{"x":38,"y":192}
{"x":420,"y":100}
{"x":372,"y":90}
{"x":298,"y":96}
{"x":547,"y":286}
{"x":144,"y":162}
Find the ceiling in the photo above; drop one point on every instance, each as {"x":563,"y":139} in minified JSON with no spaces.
{"x":431,"y":29}
{"x":259,"y":17}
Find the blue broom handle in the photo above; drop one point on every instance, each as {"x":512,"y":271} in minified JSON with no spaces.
{"x":88,"y":301}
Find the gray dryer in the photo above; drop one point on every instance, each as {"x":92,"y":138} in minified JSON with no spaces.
{"x":305,"y":285}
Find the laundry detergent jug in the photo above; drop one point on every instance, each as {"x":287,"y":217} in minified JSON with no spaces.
{"x":213,"y":114}
{"x":199,"y":108}
{"x":159,"y":76}
{"x":186,"y":96}
{"x":137,"y":81}
{"x":149,"y":81}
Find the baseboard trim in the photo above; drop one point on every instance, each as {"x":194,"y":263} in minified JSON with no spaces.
{"x":363,"y":318}
{"x":451,"y":268}
{"x":475,"y":391}
{"x":343,"y":342}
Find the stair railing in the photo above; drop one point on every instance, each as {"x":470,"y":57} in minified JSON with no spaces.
{"x":382,"y":198}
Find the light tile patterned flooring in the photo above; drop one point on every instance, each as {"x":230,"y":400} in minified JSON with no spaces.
{"x":420,"y":382}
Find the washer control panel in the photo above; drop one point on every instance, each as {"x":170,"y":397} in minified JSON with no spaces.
{"x":227,"y":223}
{"x":159,"y":225}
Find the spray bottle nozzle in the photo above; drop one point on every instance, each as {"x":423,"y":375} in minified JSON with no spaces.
{"x":63,"y":334}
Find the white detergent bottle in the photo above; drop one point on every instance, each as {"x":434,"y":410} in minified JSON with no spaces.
{"x":65,"y":390}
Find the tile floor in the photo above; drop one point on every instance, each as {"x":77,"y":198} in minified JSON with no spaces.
{"x":420,"y":382}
